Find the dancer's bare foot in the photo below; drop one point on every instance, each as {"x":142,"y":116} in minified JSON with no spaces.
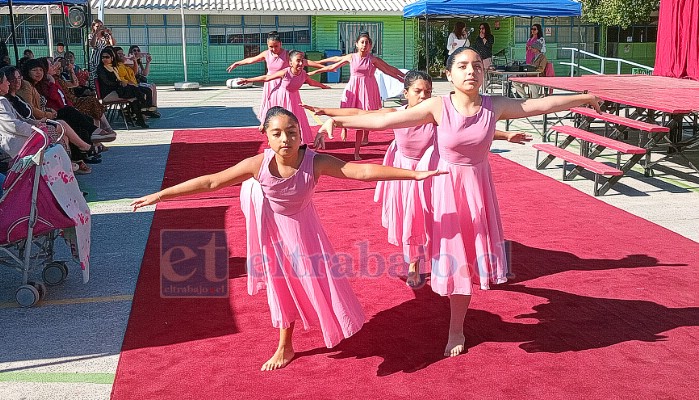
{"x":343,"y":134}
{"x":281,"y":358}
{"x":413,"y":279}
{"x":455,"y":345}
{"x":357,"y":158}
{"x":365,"y":138}
{"x":261,"y":128}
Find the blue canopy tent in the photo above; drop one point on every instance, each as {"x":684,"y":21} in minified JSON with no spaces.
{"x":440,"y":9}
{"x":492,"y":8}
{"x":11,"y":3}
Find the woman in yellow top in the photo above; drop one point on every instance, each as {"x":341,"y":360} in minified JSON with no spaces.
{"x":126,"y":73}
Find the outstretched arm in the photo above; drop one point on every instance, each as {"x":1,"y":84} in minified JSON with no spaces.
{"x":314,"y":64}
{"x":208,"y":183}
{"x":513,"y":137}
{"x":311,"y":82}
{"x":324,"y":164}
{"x":423,"y":113}
{"x":333,"y":60}
{"x":262,"y":78}
{"x":507,"y":108}
{"x":388,"y":69}
{"x":343,"y":60}
{"x":337,"y":112}
{"x":246,"y":61}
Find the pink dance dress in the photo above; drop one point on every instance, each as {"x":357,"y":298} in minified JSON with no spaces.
{"x":275,"y":63}
{"x":290,"y":255}
{"x":362,"y":90}
{"x":286,"y":94}
{"x":402,"y":212}
{"x":466,"y":236}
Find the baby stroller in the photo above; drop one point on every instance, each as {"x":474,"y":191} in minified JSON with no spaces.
{"x":30,"y":220}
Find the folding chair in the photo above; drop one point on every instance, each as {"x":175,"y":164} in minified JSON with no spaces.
{"x":113,"y":106}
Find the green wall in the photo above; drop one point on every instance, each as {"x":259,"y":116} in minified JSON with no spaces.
{"x":398,"y":38}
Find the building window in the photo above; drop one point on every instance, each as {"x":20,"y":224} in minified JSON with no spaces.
{"x":563,"y":32}
{"x":348,"y":32}
{"x":251,"y":31}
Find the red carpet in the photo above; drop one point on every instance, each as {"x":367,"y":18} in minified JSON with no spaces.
{"x":604,"y":304}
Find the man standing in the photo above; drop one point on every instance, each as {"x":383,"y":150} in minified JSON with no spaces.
{"x":60,"y":50}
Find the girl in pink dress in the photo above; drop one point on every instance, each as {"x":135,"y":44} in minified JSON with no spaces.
{"x":362,"y":90}
{"x":286,"y":93}
{"x":289,"y":254}
{"x":402,"y":213}
{"x":277,"y":59}
{"x":466,"y":236}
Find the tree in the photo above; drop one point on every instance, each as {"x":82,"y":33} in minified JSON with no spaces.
{"x":619,"y":12}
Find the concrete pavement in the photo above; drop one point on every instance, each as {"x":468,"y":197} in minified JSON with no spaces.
{"x":68,"y":346}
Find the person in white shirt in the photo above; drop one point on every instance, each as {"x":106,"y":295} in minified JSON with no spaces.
{"x":457,"y":38}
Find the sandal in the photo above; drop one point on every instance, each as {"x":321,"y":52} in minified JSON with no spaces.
{"x":83,"y":169}
{"x":93,"y":151}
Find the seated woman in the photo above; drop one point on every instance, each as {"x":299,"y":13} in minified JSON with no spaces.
{"x":37,"y":88}
{"x":88,"y":105}
{"x":126,"y":73}
{"x":74,"y":76}
{"x":142,"y":70}
{"x":23,"y":112}
{"x":112,"y":87}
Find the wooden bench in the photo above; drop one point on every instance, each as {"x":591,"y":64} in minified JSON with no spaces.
{"x":581,"y":162}
{"x":619,"y":120}
{"x":592,"y":145}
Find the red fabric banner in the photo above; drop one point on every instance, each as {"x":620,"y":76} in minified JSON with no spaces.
{"x":677,"y":51}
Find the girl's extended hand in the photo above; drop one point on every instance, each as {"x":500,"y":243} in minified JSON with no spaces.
{"x":421,"y":175}
{"x":145,"y":201}
{"x":327,"y":127}
{"x":314,"y":110}
{"x":594,"y":102}
{"x":325,"y":87}
{"x":243,"y":81}
{"x":231,"y":67}
{"x":519,"y":137}
{"x":319,"y":141}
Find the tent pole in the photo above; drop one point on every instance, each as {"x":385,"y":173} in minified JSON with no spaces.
{"x":184,"y":41}
{"x":49,"y":26}
{"x":427,"y":49}
{"x":66,"y":35}
{"x":14,"y":32}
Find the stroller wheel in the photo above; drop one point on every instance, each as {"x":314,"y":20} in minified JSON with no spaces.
{"x":40,"y":287}
{"x":54,"y":273}
{"x":27,"y":295}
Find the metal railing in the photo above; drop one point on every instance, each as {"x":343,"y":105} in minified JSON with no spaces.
{"x":573,"y":64}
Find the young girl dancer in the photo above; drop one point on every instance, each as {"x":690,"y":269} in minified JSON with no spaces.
{"x":467,"y":243}
{"x":402,"y":211}
{"x":286,"y":93}
{"x":289,"y":253}
{"x":362,"y":90}
{"x":277,"y":59}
